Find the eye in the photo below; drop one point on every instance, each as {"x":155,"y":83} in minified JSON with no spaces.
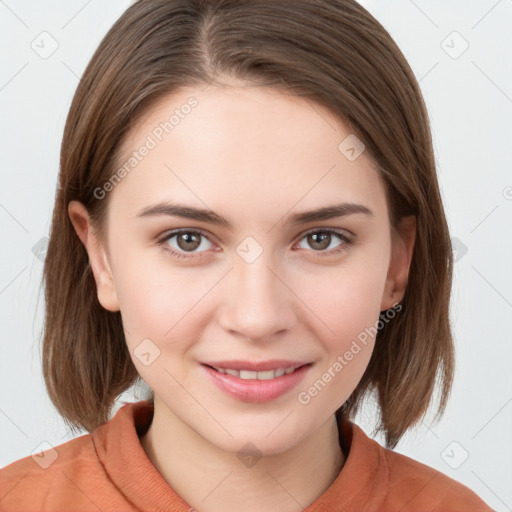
{"x":179,"y":243}
{"x":186,"y":243}
{"x":322,"y":239}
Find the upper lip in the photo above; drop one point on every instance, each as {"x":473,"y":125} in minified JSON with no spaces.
{"x":259,"y":366}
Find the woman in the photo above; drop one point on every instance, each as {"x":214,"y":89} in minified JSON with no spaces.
{"x":248,"y":218}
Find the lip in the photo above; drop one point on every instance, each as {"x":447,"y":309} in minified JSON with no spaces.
{"x":261,"y":366}
{"x":254,"y":390}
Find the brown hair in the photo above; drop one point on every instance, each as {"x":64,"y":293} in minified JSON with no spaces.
{"x":332,"y":52}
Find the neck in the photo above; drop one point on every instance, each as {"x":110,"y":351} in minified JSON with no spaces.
{"x":211,"y":479}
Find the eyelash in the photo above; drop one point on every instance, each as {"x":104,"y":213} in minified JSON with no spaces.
{"x":347,"y":242}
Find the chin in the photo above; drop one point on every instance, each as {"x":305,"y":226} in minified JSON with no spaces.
{"x":270,"y":436}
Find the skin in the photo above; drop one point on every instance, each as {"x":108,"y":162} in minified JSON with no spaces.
{"x":254,"y":156}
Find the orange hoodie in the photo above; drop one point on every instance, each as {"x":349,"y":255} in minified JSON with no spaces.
{"x":109,"y":471}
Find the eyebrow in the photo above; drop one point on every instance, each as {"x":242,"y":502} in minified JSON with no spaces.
{"x":209,"y":216}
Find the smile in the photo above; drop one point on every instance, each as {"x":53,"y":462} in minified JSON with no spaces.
{"x":263,"y":375}
{"x":256,"y":386}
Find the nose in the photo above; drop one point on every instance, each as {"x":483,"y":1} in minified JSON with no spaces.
{"x":258,"y":303}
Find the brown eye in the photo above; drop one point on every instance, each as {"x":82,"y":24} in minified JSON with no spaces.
{"x":322,"y":240}
{"x":319,"y":240}
{"x":187,"y":241}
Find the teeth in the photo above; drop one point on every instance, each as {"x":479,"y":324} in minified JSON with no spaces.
{"x":263,"y":375}
{"x":246,"y":374}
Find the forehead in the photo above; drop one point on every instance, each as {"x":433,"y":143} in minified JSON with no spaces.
{"x":244,"y":150}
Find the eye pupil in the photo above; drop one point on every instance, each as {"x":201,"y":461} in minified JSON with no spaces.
{"x":321,"y":239}
{"x":185,"y":239}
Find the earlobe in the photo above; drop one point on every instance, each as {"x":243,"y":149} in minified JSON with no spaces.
{"x":402,"y":248}
{"x":98,"y":258}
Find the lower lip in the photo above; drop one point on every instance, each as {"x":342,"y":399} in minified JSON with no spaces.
{"x":254,"y":390}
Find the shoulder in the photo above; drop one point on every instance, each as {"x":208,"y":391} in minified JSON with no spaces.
{"x":414,"y":486}
{"x":380,"y":479}
{"x":54,"y":478}
{"x":49,"y":461}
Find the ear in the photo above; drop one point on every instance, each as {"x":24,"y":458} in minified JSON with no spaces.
{"x":402,"y":247}
{"x":98,"y":256}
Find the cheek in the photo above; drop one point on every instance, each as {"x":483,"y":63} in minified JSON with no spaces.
{"x":159,"y":302}
{"x":351,"y":312}
{"x":347,"y":298}
{"x":347,"y":302}
{"x":356,"y":305}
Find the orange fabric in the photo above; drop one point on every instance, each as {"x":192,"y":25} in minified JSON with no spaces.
{"x":108,"y":470}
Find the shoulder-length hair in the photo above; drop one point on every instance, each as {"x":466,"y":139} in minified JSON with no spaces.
{"x":332,"y":52}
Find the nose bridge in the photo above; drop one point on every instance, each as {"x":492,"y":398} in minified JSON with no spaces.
{"x":258,"y":304}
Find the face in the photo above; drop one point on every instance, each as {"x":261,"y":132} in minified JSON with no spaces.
{"x":267,"y":285}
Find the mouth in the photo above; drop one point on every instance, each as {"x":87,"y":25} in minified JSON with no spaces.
{"x":249,"y":385}
{"x":245,"y":374}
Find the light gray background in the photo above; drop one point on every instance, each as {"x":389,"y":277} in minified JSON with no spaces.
{"x":469,"y":97}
